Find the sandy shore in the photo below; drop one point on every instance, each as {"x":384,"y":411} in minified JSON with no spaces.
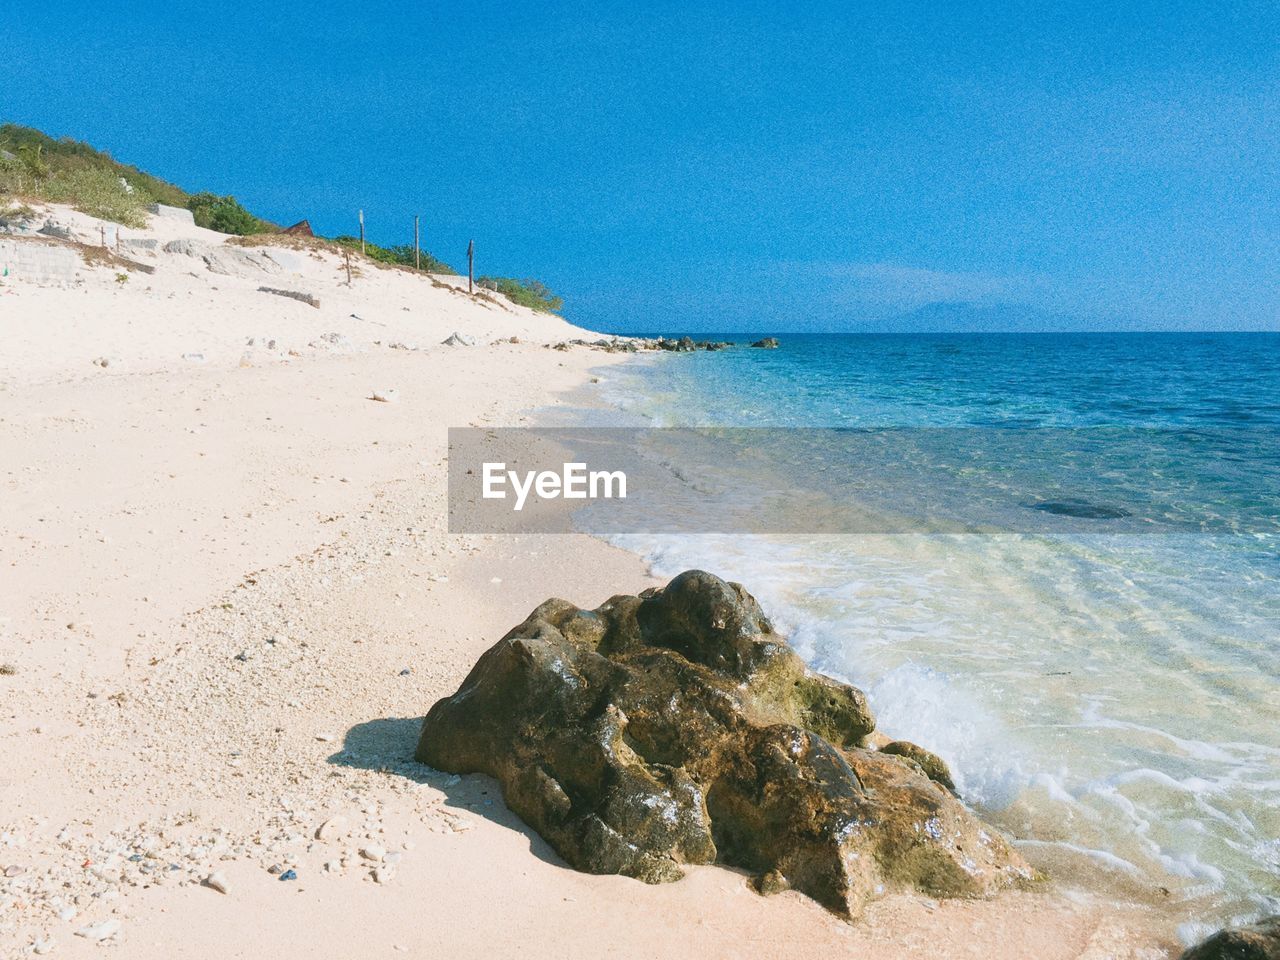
{"x":228,"y":598}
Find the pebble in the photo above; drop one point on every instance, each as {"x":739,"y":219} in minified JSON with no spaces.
{"x":373,"y":852}
{"x":42,"y":947}
{"x":324,"y":737}
{"x":216,"y":881}
{"x":385,"y":396}
{"x":103,"y":930}
{"x":383,"y":874}
{"x":13,"y":870}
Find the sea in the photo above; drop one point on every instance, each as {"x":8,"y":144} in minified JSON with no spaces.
{"x":1110,"y":699}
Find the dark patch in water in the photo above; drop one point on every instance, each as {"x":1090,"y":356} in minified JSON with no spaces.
{"x":1082,"y":509}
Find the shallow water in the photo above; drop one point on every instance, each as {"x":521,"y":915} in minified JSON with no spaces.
{"x":1113,"y":701}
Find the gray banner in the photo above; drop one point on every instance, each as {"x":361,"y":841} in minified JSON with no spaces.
{"x":1095,"y":480}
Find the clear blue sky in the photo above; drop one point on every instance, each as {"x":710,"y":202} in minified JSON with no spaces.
{"x":673,"y":166}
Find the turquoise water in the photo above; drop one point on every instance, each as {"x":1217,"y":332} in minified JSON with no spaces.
{"x":1112,"y":701}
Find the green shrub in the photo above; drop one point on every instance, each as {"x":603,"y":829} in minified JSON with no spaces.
{"x":226,"y":215}
{"x":401,"y":255}
{"x":404,"y":256}
{"x":528,"y":293}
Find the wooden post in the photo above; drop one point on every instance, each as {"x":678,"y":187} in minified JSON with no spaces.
{"x":102,"y":234}
{"x":346,"y":254}
{"x":417,"y":259}
{"x":361,"y":231}
{"x":471,"y":266}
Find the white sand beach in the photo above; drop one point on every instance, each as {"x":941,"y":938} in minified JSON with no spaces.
{"x":228,"y":596}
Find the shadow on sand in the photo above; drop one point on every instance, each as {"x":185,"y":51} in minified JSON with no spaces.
{"x":387,"y":745}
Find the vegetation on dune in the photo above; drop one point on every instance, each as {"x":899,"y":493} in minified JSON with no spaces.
{"x":225,"y":215}
{"x":527,"y":293}
{"x":400,"y":255}
{"x":36,"y":166}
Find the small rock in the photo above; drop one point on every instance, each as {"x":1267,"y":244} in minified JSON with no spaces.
{"x":8,"y":669}
{"x":289,"y":875}
{"x":98,"y":932}
{"x":459,"y":340}
{"x":193,"y":357}
{"x":385,"y":396}
{"x":383,"y":874}
{"x":324,"y":737}
{"x":373,"y":852}
{"x":13,"y":870}
{"x":217,"y":881}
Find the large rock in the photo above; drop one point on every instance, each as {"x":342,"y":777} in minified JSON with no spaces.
{"x":180,"y":214}
{"x":1260,"y":941}
{"x":232,"y":261}
{"x":676,"y":727}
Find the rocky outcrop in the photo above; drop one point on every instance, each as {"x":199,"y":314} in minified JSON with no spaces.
{"x":768,"y":343}
{"x":636,"y":344}
{"x":178,"y":214}
{"x":232,"y":261}
{"x":1259,"y":941}
{"x":688,"y":345}
{"x":677,"y":727}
